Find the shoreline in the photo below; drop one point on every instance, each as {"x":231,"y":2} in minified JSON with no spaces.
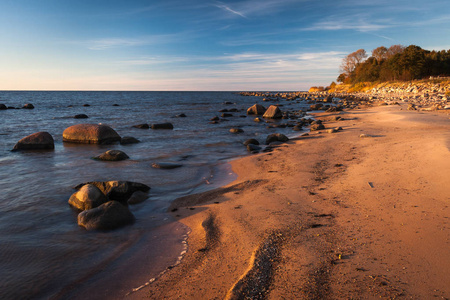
{"x":231,"y":230}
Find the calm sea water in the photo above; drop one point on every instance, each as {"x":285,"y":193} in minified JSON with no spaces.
{"x":42,"y":248}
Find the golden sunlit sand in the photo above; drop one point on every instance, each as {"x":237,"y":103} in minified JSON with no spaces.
{"x":328,"y":215}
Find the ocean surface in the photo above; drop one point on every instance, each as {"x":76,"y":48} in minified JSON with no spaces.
{"x":42,"y":249}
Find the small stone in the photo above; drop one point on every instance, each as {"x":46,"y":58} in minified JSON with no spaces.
{"x":236,"y":130}
{"x":112,"y":155}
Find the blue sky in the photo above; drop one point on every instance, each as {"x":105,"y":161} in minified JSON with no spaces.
{"x":202,"y":45}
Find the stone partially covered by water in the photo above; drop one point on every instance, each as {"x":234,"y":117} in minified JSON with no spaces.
{"x":110,"y":215}
{"x":36,"y":141}
{"x":90,"y":134}
{"x":118,"y":190}
{"x":89,"y":196}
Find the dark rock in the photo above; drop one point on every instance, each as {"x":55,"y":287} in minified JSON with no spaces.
{"x":138,"y":197}
{"x":251,"y":141}
{"x":252,"y":148}
{"x":226,"y":115}
{"x":28,"y":106}
{"x":112,"y":155}
{"x":276,"y":137}
{"x":273,"y":112}
{"x":81,"y":116}
{"x":315,"y":127}
{"x":86,"y":105}
{"x":329,"y":99}
{"x":181,"y":116}
{"x":228,"y":103}
{"x":126,"y":140}
{"x":166,"y":165}
{"x":297,"y":128}
{"x":223,"y":110}
{"x":233,"y":110}
{"x":3,"y":107}
{"x":215,"y":119}
{"x":162,"y":126}
{"x":87,"y":197}
{"x":236,"y":130}
{"x":142,"y":126}
{"x":36,"y":141}
{"x":256,"y":109}
{"x":258,"y":120}
{"x":118,"y":190}
{"x":90,"y":134}
{"x":316,"y":106}
{"x":116,"y":105}
{"x":110,"y":215}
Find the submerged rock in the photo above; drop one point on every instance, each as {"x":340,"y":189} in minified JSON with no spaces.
{"x":110,"y":215}
{"x":112,"y":155}
{"x":138,"y":197}
{"x":88,"y":197}
{"x":236,"y":130}
{"x":251,"y":141}
{"x":142,"y":126}
{"x":162,"y":126}
{"x":3,"y":106}
{"x":81,"y":116}
{"x":90,"y":134}
{"x":129,"y":140}
{"x":166,"y":165}
{"x":36,"y":141}
{"x":28,"y":106}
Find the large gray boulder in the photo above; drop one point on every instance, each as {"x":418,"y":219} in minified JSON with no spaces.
{"x":88,"y":197}
{"x":273,"y":112}
{"x":90,"y":134}
{"x":256,"y":109}
{"x":109,"y":215}
{"x":36,"y":141}
{"x":112,"y":155}
{"x":118,"y":190}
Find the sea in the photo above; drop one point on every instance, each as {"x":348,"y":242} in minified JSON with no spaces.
{"x":44,"y":254}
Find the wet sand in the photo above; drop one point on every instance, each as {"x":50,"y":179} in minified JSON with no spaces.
{"x":325,"y":216}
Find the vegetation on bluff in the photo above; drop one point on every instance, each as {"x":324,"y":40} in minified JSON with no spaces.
{"x":394,"y":63}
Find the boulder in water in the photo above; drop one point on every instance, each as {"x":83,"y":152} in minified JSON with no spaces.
{"x":162,"y":126}
{"x":28,"y":106}
{"x":90,"y":134}
{"x":110,"y":215}
{"x":273,"y":112}
{"x":276,"y":137}
{"x":166,"y":165}
{"x":129,"y":140}
{"x":88,"y":197}
{"x":112,"y":155}
{"x":118,"y":190}
{"x":36,"y":141}
{"x":256,"y":109}
{"x":81,"y":116}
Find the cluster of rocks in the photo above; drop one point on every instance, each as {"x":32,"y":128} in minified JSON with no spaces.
{"x":26,"y":106}
{"x":155,"y":126}
{"x":104,"y":205}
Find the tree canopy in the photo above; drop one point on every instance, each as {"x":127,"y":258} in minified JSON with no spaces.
{"x":394,"y":63}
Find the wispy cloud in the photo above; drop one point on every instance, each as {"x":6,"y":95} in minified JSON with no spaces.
{"x":228,"y":9}
{"x":337,"y":23}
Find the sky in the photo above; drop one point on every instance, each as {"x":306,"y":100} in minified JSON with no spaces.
{"x":202,"y":45}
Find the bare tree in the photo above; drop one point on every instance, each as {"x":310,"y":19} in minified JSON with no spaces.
{"x":380,"y":53}
{"x":394,"y":49}
{"x":351,"y":61}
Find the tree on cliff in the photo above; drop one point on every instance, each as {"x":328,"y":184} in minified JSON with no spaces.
{"x":394,"y":63}
{"x":351,"y":61}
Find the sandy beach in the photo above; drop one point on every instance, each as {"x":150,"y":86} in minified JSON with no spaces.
{"x":325,"y":216}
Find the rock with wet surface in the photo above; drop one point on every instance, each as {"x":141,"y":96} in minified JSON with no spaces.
{"x":112,"y":155}
{"x":276,"y":137}
{"x":36,"y":141}
{"x":166,"y":165}
{"x":87,"y":197}
{"x":162,"y":126}
{"x":90,"y":134}
{"x":118,"y":190}
{"x":110,"y":215}
{"x":256,"y":109}
{"x":273,"y":112}
{"x":126,"y":140}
